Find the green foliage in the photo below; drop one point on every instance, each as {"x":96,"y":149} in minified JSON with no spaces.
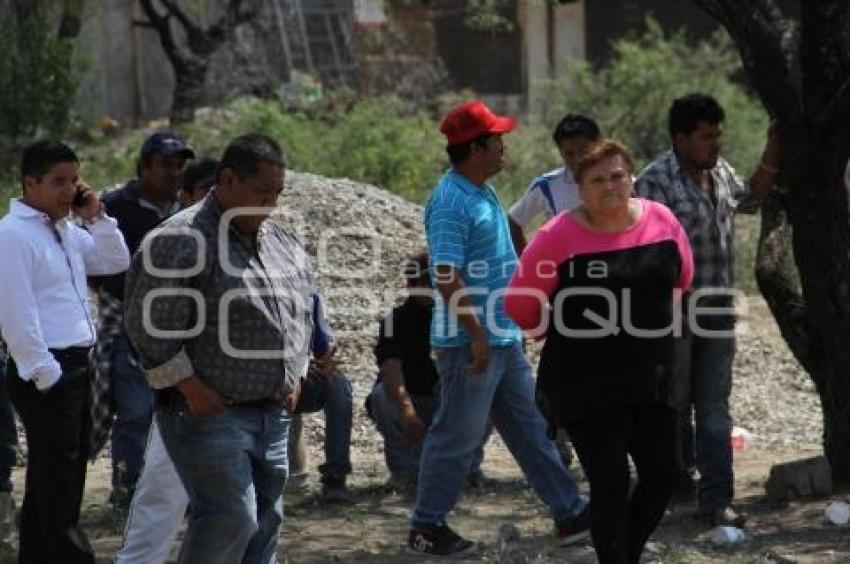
{"x":488,"y":15}
{"x":630,"y":96}
{"x":380,"y":140}
{"x":37,"y":82}
{"x":397,"y":145}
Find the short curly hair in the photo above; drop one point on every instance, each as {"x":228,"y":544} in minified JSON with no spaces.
{"x":602,"y":150}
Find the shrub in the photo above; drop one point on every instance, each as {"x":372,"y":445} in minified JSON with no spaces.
{"x":630,"y":96}
{"x":397,"y":145}
{"x":37,"y":81}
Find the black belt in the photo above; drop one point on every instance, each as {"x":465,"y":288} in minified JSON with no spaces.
{"x":170,"y":397}
{"x":715,"y":301}
{"x":265,"y":402}
{"x":73,"y":357}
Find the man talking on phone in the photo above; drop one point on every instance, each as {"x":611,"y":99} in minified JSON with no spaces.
{"x":46,"y":321}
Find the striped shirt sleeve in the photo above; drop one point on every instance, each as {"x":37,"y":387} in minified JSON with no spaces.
{"x":447,"y":229}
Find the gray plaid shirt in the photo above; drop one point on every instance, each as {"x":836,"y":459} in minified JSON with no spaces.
{"x":245,"y":329}
{"x":710,"y":227}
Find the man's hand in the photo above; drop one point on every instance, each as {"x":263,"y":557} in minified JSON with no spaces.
{"x":290,"y":397}
{"x":414,"y":428}
{"x":201,"y":399}
{"x":480,"y":353}
{"x":91,"y":205}
{"x":327,"y":364}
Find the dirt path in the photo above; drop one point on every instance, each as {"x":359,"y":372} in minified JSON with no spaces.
{"x":372,"y":530}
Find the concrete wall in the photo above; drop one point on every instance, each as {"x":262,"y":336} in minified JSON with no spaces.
{"x":125,"y":72}
{"x":127,"y":76}
{"x":552,"y":39}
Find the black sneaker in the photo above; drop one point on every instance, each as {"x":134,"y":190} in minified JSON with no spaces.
{"x":724,"y":517}
{"x":336,"y":493}
{"x":476,"y":480}
{"x":573,"y":529}
{"x":438,"y":540}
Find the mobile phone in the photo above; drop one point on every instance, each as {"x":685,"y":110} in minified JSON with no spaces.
{"x":79,"y":198}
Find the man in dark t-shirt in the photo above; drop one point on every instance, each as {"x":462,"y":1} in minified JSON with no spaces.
{"x":405,"y":396}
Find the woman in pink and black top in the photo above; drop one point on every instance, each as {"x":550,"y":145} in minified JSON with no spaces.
{"x":599,"y":284}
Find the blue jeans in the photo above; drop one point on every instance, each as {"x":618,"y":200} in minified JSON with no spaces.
{"x":8,"y":431}
{"x":401,"y":454}
{"x":133,"y":400}
{"x":710,"y":383}
{"x":233,"y":467}
{"x":503,"y":394}
{"x":332,"y":394}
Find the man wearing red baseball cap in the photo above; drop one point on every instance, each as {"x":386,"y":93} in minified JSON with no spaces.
{"x":484,"y":374}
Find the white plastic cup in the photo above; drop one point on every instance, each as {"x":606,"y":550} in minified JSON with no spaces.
{"x":838,"y":513}
{"x":726,"y":535}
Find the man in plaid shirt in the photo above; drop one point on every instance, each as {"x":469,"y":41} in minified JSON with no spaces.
{"x":704,"y":192}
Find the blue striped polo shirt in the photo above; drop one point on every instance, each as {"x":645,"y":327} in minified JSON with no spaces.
{"x":467,"y":229}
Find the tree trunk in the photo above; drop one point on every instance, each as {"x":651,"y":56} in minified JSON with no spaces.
{"x":815,"y":323}
{"x":188,"y":92}
{"x":799,"y":63}
{"x":190,"y":62}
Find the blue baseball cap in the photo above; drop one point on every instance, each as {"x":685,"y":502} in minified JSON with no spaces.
{"x":166,"y":143}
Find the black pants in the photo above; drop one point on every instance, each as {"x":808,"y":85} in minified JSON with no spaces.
{"x":56,"y":423}
{"x":620,"y":526}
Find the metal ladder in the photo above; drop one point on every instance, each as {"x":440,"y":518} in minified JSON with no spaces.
{"x":315,"y":37}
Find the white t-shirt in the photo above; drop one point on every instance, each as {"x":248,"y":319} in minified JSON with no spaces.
{"x":549,"y":194}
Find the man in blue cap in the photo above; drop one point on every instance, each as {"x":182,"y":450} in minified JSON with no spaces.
{"x":139,"y":205}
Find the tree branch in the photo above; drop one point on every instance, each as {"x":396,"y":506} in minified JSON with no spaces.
{"x":162,"y":25}
{"x":768,"y":46}
{"x":231,"y":19}
{"x":181,"y":17}
{"x":825,"y":55}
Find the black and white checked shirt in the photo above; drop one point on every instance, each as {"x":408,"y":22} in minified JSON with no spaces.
{"x":710,"y":227}
{"x":247,"y":330}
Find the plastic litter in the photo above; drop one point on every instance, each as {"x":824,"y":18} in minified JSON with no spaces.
{"x":741,"y":439}
{"x":838,"y":513}
{"x":726,"y":535}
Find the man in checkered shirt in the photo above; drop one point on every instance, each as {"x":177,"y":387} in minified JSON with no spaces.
{"x":704,"y":192}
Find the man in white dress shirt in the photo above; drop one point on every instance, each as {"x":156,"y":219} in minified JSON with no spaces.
{"x":46,"y":321}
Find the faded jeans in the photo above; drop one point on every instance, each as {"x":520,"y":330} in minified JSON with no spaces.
{"x":331,"y":394}
{"x":708,"y":443}
{"x":233,"y":467}
{"x":134,"y":404}
{"x":401,"y":454}
{"x":503,"y":394}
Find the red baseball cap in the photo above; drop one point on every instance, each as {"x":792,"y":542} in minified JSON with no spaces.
{"x":472,"y":119}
